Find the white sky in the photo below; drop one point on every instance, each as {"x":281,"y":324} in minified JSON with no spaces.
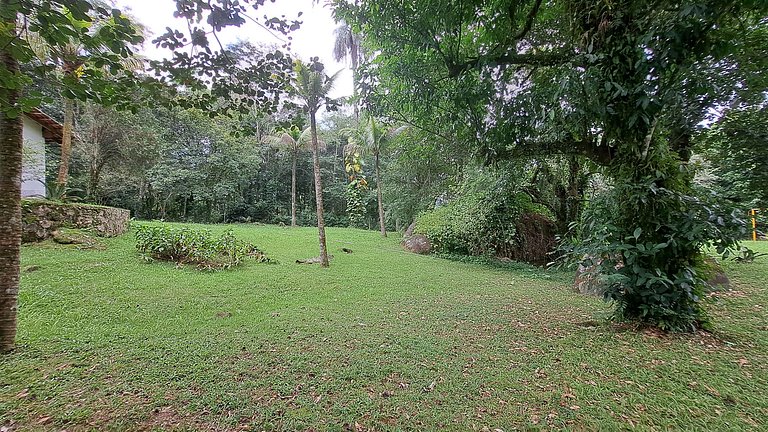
{"x":314,"y":39}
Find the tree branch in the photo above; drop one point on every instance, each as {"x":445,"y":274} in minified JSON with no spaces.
{"x":528,"y":22}
{"x":554,"y":58}
{"x":600,"y":153}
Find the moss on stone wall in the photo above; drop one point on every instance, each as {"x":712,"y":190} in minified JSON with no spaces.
{"x":40,"y":218}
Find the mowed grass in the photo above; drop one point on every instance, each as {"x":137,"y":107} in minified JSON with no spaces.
{"x":383,"y":340}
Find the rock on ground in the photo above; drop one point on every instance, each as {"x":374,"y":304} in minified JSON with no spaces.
{"x":417,"y":243}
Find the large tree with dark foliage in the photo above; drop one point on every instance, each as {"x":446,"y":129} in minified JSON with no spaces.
{"x":623,"y":83}
{"x":736,"y":147}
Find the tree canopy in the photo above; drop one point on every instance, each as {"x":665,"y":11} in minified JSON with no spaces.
{"x":623,"y":83}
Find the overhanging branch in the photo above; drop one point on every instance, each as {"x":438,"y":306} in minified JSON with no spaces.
{"x":554,"y":58}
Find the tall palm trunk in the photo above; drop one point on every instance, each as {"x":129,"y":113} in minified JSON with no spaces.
{"x":378,"y":195}
{"x":10,"y":202}
{"x":294,"y":154}
{"x":318,"y":191}
{"x":66,"y":141}
{"x":355,"y":63}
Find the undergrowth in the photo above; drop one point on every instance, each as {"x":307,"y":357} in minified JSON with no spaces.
{"x":197,"y":247}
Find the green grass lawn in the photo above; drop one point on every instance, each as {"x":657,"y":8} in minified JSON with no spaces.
{"x":383,"y":340}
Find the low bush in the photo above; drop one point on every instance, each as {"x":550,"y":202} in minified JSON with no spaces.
{"x":197,"y":247}
{"x":498,"y":223}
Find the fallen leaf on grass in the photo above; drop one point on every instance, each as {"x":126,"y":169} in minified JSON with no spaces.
{"x":712,"y":391}
{"x":430,"y":387}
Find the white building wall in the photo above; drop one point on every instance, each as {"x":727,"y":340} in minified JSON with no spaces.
{"x":33,"y":169}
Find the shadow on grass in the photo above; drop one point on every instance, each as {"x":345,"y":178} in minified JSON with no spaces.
{"x":554,"y":274}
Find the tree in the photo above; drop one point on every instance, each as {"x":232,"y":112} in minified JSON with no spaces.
{"x":208,"y":76}
{"x":70,"y":59}
{"x":373,"y":137}
{"x":312,"y":86}
{"x":347,"y":45}
{"x":105,"y":136}
{"x":10,"y":188}
{"x":293,"y":140}
{"x":599,"y":79}
{"x":735,"y":145}
{"x":57,"y":29}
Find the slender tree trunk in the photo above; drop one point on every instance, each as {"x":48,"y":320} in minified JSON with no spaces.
{"x":378,"y":196}
{"x":575,"y":189}
{"x":355,"y":63}
{"x":94,"y":177}
{"x":66,"y":141}
{"x":293,"y":187}
{"x":318,"y":191}
{"x":10,"y":203}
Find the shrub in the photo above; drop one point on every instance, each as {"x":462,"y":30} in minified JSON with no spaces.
{"x":198,"y":247}
{"x":495,"y":223}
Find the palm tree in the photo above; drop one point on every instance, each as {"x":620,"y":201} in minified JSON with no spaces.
{"x":312,"y":86}
{"x":71,"y":58}
{"x":293,"y":140}
{"x":347,"y":45}
{"x":373,"y":137}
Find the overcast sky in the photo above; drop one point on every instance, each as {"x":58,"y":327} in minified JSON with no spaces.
{"x":315,"y":38}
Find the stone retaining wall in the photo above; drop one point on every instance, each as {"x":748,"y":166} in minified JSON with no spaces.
{"x":40,"y":218}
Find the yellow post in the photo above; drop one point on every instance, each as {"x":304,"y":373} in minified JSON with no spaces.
{"x":754,"y":226}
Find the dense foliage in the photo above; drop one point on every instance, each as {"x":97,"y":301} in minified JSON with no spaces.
{"x":623,"y":83}
{"x":659,"y":282}
{"x":482,"y":220}
{"x":734,"y":148}
{"x":196,"y":247}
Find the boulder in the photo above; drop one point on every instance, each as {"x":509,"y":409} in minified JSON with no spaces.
{"x":417,"y":243}
{"x":76,"y":237}
{"x":587,"y":281}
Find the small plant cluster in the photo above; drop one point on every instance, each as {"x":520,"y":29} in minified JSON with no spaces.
{"x":197,"y":247}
